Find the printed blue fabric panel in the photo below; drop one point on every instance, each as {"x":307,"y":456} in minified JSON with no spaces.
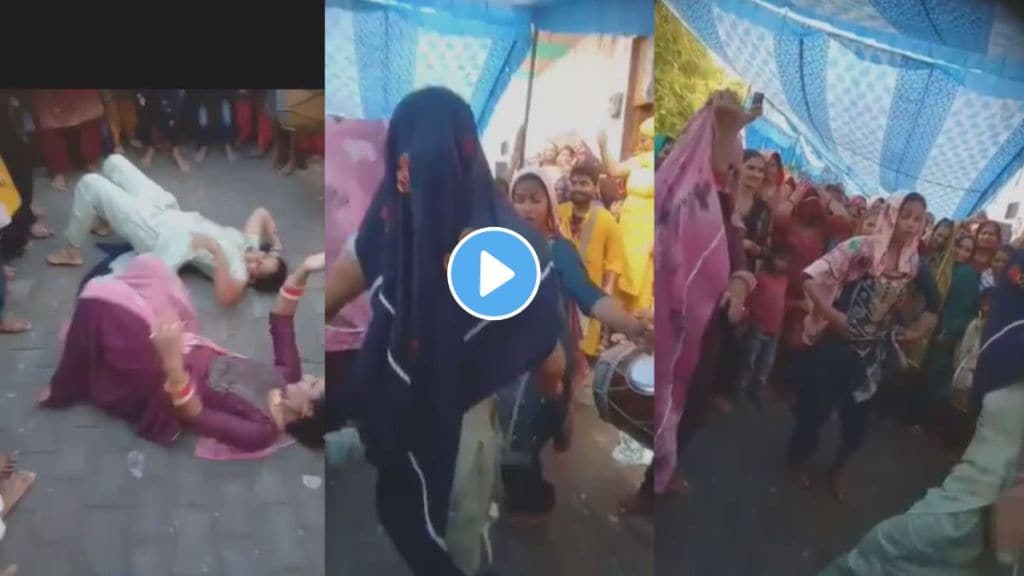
{"x":880,"y":91}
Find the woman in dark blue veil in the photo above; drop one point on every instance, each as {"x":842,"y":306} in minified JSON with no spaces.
{"x":426,"y":361}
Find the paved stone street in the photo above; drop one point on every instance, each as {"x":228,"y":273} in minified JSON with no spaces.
{"x":87,"y":515}
{"x":743,"y":517}
{"x":585,"y":536}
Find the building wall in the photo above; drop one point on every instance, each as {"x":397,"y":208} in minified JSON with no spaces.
{"x":1012,"y":192}
{"x":571,"y":95}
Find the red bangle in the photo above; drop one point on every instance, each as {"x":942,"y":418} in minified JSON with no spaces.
{"x":182,"y":396}
{"x":292,"y":293}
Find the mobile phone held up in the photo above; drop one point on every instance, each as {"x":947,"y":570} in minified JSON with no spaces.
{"x":758,"y":100}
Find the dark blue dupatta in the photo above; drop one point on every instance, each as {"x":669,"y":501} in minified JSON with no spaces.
{"x":425,"y":361}
{"x":1000,"y":362}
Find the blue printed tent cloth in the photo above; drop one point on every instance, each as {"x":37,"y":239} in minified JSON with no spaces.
{"x":377,"y":51}
{"x":922,"y":95}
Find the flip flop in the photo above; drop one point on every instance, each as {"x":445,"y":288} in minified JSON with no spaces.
{"x":15,"y":488}
{"x":19,"y":326}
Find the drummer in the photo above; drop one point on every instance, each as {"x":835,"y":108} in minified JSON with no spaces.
{"x":539,"y":419}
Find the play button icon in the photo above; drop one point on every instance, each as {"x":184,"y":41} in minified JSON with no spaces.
{"x":493,"y":273}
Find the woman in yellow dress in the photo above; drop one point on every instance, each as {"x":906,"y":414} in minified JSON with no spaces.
{"x":636,"y":219}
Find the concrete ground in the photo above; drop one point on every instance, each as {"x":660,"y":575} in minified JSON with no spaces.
{"x":585,"y":535}
{"x":87,"y":515}
{"x":742,"y":515}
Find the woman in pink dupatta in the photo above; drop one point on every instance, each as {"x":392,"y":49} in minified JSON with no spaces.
{"x":701,"y":267}
{"x":855,"y":291}
{"x":133,"y":351}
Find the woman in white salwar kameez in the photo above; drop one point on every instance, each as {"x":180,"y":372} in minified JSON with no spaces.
{"x":949,"y":531}
{"x":148,"y":217}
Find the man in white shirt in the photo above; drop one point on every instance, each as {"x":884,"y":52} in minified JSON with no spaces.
{"x":149,"y":218}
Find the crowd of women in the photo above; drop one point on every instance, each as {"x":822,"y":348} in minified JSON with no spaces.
{"x":839,"y":305}
{"x":446,"y":387}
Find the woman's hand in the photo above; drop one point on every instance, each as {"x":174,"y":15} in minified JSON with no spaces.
{"x":730,"y":115}
{"x":840,"y":323}
{"x":314,"y":263}
{"x":734,"y":300}
{"x":1008,"y":519}
{"x":169,"y":340}
{"x":202,"y":242}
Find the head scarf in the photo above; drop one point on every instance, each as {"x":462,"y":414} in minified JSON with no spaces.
{"x":887,"y":219}
{"x":549,"y":186}
{"x":425,"y":358}
{"x":356,"y":150}
{"x":1000,"y":362}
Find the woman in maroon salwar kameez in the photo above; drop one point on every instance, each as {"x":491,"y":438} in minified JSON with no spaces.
{"x":68,"y":118}
{"x":132,"y":350}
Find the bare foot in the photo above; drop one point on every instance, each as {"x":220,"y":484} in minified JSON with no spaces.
{"x":94,"y":167}
{"x":64,"y":257}
{"x":39,"y":232}
{"x":201,"y":154}
{"x":135,"y":143}
{"x":230,"y":151}
{"x":59,"y":183}
{"x":147,"y":158}
{"x":38,"y":212}
{"x":179,"y":159}
{"x":288,"y":168}
{"x":14,"y":326}
{"x":119,"y":149}
{"x":44,"y":395}
{"x":837,"y":481}
{"x":637,"y":504}
{"x":9,"y":272}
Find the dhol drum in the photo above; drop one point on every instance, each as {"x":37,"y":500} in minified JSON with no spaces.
{"x":624,"y":391}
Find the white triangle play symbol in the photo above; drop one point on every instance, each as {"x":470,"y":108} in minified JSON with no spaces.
{"x":493,"y":273}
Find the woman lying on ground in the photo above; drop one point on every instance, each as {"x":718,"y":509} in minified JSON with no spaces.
{"x":140,"y":211}
{"x":133,"y":350}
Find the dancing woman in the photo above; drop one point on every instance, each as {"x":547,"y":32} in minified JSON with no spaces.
{"x":427,"y":359}
{"x":855,"y":290}
{"x":948,"y":532}
{"x":133,"y":350}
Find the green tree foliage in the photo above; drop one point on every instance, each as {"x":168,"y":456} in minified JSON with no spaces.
{"x":685,"y":73}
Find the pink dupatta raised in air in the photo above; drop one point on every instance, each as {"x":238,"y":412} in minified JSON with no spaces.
{"x":354,"y":170}
{"x":692,"y":263}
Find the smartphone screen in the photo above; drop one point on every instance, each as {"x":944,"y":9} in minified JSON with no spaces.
{"x":758,"y":99}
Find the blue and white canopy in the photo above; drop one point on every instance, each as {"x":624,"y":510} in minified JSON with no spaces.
{"x":922,"y":95}
{"x":377,"y":51}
